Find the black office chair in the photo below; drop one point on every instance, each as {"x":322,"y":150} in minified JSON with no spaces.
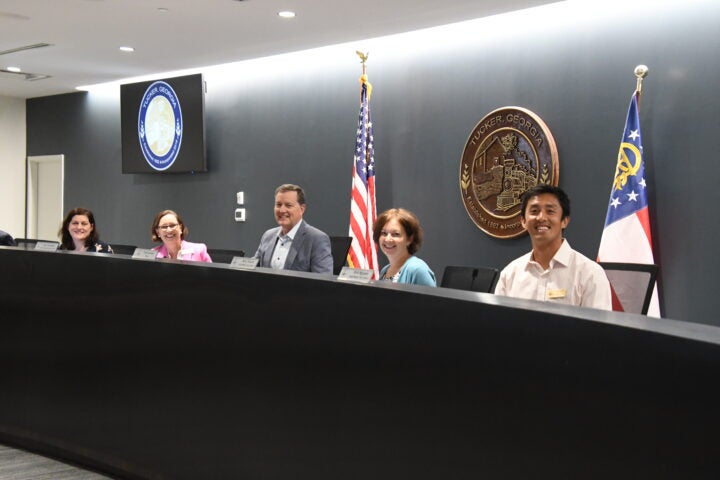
{"x":339,"y":246}
{"x":123,"y":249}
{"x":29,"y":243}
{"x":26,"y":243}
{"x":6,"y":240}
{"x":220,"y":255}
{"x":475,"y":279}
{"x":632,"y":285}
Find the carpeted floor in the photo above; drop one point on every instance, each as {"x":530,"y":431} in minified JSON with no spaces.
{"x":22,"y":465}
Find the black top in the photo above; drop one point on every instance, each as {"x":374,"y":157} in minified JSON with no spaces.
{"x":98,"y":247}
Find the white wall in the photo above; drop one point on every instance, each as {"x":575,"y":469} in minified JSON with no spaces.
{"x":12,"y":165}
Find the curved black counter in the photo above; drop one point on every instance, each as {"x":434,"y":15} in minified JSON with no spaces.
{"x":159,"y":369}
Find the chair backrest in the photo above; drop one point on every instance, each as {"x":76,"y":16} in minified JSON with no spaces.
{"x":123,"y":249}
{"x":632,"y":285}
{"x":339,"y":246}
{"x":26,"y":243}
{"x":476,"y":279}
{"x":6,"y":240}
{"x":29,"y":243}
{"x":220,"y":255}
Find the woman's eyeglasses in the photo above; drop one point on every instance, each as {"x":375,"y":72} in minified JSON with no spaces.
{"x":171,"y":226}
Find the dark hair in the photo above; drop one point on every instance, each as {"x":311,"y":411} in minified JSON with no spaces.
{"x":544,"y":188}
{"x":66,"y":241}
{"x":153,"y":230}
{"x":409,"y":222}
{"x":289,"y":187}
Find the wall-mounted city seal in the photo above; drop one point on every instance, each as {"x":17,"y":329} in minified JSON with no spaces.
{"x":508,"y":152}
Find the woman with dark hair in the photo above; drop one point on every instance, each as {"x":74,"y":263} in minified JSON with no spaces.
{"x":399,"y":234}
{"x":170,"y":229}
{"x":79,"y":233}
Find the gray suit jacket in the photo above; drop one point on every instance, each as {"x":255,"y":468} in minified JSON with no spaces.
{"x":309,"y":251}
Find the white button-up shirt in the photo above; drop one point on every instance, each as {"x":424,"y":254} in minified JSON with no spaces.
{"x":571,"y":279}
{"x":282,"y":247}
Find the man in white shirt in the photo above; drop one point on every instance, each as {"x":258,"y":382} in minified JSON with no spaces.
{"x":553,"y":271}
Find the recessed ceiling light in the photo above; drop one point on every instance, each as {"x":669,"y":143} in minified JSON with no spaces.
{"x":14,"y":69}
{"x":127,"y":49}
{"x":163,"y":9}
{"x":286,"y":14}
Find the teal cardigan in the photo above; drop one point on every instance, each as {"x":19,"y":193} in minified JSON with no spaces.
{"x":414,"y":271}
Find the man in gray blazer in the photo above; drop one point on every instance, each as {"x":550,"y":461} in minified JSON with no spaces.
{"x":294,"y":245}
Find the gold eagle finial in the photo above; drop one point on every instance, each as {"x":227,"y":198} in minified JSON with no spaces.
{"x":363,"y":56}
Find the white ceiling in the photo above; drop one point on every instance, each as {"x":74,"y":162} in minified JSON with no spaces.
{"x":85,"y":35}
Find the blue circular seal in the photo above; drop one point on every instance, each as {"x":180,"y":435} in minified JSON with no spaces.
{"x":160,"y":125}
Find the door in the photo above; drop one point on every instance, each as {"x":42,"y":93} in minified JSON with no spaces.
{"x":44,"y":196}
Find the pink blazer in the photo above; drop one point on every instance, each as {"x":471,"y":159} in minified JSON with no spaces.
{"x":196,"y":252}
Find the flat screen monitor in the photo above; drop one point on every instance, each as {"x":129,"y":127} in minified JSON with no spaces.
{"x":163,"y":125}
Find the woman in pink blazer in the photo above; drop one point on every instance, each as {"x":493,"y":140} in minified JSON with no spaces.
{"x":169,"y":229}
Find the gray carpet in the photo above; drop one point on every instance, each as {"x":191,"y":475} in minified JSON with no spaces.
{"x":21,"y":465}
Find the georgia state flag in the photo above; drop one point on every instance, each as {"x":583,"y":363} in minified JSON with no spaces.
{"x":626,"y":236}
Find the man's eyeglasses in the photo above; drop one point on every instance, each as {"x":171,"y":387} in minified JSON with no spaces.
{"x":171,"y":226}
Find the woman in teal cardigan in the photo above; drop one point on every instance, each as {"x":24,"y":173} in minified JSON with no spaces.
{"x":399,"y":234}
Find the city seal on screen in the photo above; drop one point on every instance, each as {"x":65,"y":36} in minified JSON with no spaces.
{"x":160,"y":126}
{"x":508,"y":152}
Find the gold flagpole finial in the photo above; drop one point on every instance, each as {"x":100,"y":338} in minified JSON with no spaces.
{"x":641,"y":72}
{"x":363,"y":58}
{"x":363,"y":77}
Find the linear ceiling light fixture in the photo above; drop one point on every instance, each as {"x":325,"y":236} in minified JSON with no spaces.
{"x":25,"y":47}
{"x":30,"y":77}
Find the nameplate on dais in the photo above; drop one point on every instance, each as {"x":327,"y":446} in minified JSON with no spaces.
{"x":144,"y":253}
{"x":46,"y":246}
{"x":355,"y":275}
{"x":244,"y":263}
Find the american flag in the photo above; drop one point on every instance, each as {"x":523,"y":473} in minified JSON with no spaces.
{"x":626,"y":236}
{"x":363,"y":253}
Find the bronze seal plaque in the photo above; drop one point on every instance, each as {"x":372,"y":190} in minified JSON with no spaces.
{"x":508,"y":152}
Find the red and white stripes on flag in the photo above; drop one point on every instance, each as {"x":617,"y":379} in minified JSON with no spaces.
{"x":363,"y":212}
{"x":626,"y":237}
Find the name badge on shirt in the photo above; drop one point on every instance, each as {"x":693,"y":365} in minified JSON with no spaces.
{"x":557,"y":293}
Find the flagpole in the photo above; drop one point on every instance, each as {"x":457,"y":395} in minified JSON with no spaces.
{"x":641,"y":72}
{"x":363,"y":77}
{"x":363,"y":210}
{"x":363,"y":59}
{"x":627,"y":234}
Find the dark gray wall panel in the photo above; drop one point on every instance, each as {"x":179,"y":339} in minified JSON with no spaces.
{"x":299,"y":127}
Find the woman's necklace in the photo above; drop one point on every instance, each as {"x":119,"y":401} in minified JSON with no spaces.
{"x":393,"y":272}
